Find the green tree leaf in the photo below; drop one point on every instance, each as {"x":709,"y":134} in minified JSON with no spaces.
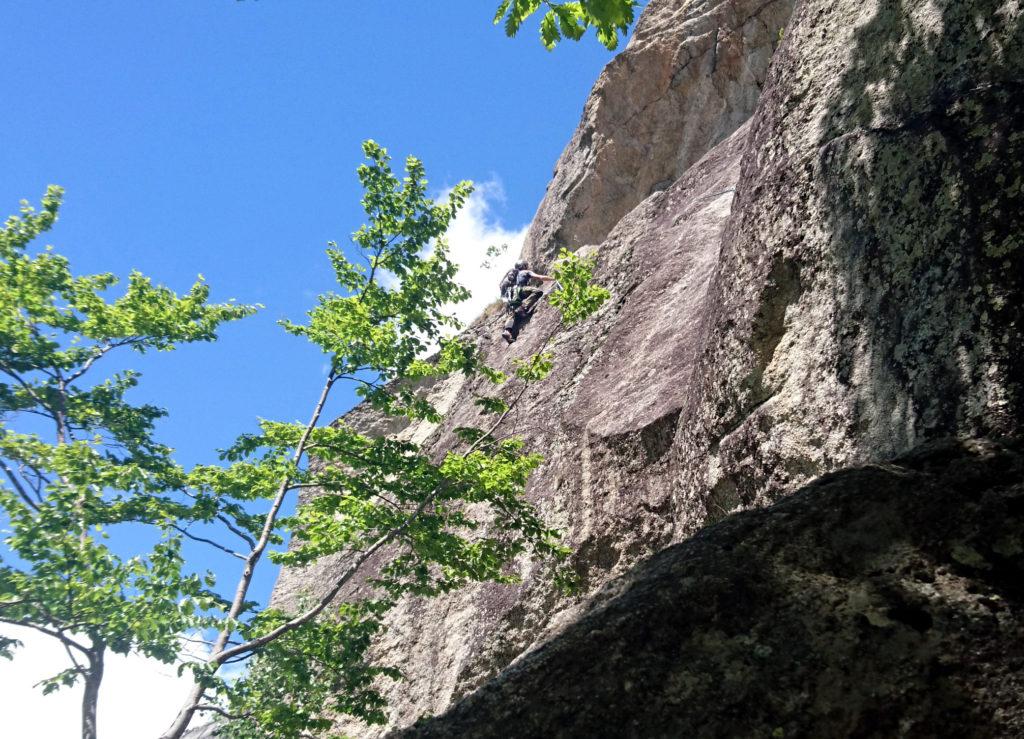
{"x":576,"y":297}
{"x":549,"y":34}
{"x":79,"y":461}
{"x":610,"y":19}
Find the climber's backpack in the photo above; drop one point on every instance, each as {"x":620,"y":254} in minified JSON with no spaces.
{"x":507,"y":288}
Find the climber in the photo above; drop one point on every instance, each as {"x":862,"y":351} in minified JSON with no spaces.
{"x":520,"y":297}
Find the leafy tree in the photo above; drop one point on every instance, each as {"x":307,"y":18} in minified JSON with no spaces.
{"x":81,"y":463}
{"x":79,"y":459}
{"x":577,"y":298}
{"x":396,"y":521}
{"x":609,"y":18}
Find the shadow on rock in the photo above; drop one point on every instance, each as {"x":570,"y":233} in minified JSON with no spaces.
{"x":922,"y":158}
{"x":879,"y":601}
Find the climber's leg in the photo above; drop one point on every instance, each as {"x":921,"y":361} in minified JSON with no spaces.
{"x":533,"y":296}
{"x":511,"y":330}
{"x":520,"y":312}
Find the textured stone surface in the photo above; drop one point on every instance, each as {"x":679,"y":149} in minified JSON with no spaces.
{"x":879,"y":601}
{"x":857,"y":295}
{"x":869,"y":294}
{"x":690,"y":75}
{"x":604,"y":421}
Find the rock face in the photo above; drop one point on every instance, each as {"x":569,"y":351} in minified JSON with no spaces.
{"x":604,"y":420}
{"x":869,"y":294}
{"x":830,"y":284}
{"x":879,"y":601}
{"x":690,"y":76}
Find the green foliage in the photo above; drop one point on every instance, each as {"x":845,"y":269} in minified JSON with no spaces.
{"x":491,"y":405}
{"x":381,"y":325}
{"x":576,"y":297}
{"x":316,"y":669}
{"x":399,"y":521}
{"x":493,"y":252}
{"x":408,"y":524}
{"x":570,"y":20}
{"x":8,"y":645}
{"x":535,"y":367}
{"x":79,"y":460}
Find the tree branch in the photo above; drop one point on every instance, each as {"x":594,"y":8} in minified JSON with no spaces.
{"x":325,"y":600}
{"x":307,"y":485}
{"x":24,"y":384}
{"x":216,"y":657}
{"x":209,"y":708}
{"x":351,"y":570}
{"x":184,"y":532}
{"x":228,"y":524}
{"x":373,"y":265}
{"x":236,"y":531}
{"x":22,"y":493}
{"x":195,"y":641}
{"x":40,"y":478}
{"x":71,"y":656}
{"x":67,"y":641}
{"x":100,"y":351}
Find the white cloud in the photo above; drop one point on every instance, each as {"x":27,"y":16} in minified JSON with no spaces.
{"x":139,"y":697}
{"x":476,"y":227}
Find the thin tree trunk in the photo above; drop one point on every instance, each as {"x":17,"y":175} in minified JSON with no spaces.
{"x":184,"y":717}
{"x":90,"y":699}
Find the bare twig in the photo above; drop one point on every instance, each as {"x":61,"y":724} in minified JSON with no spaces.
{"x":100,"y":351}
{"x":184,"y":532}
{"x":236,"y":531}
{"x":194,"y":641}
{"x":228,"y":524}
{"x":210,"y":708}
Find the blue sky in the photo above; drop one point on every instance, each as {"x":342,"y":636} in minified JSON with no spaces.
{"x":221,"y":137}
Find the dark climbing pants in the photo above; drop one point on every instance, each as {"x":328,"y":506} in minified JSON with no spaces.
{"x":528,"y":298}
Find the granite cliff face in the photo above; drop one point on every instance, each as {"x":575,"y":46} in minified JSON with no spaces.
{"x":882,"y":600}
{"x":868,"y":296}
{"x":831,"y":283}
{"x":690,"y":76}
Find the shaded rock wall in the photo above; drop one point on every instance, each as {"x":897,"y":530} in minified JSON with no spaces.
{"x":829,"y":285}
{"x":882,"y":601}
{"x":869,"y":295}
